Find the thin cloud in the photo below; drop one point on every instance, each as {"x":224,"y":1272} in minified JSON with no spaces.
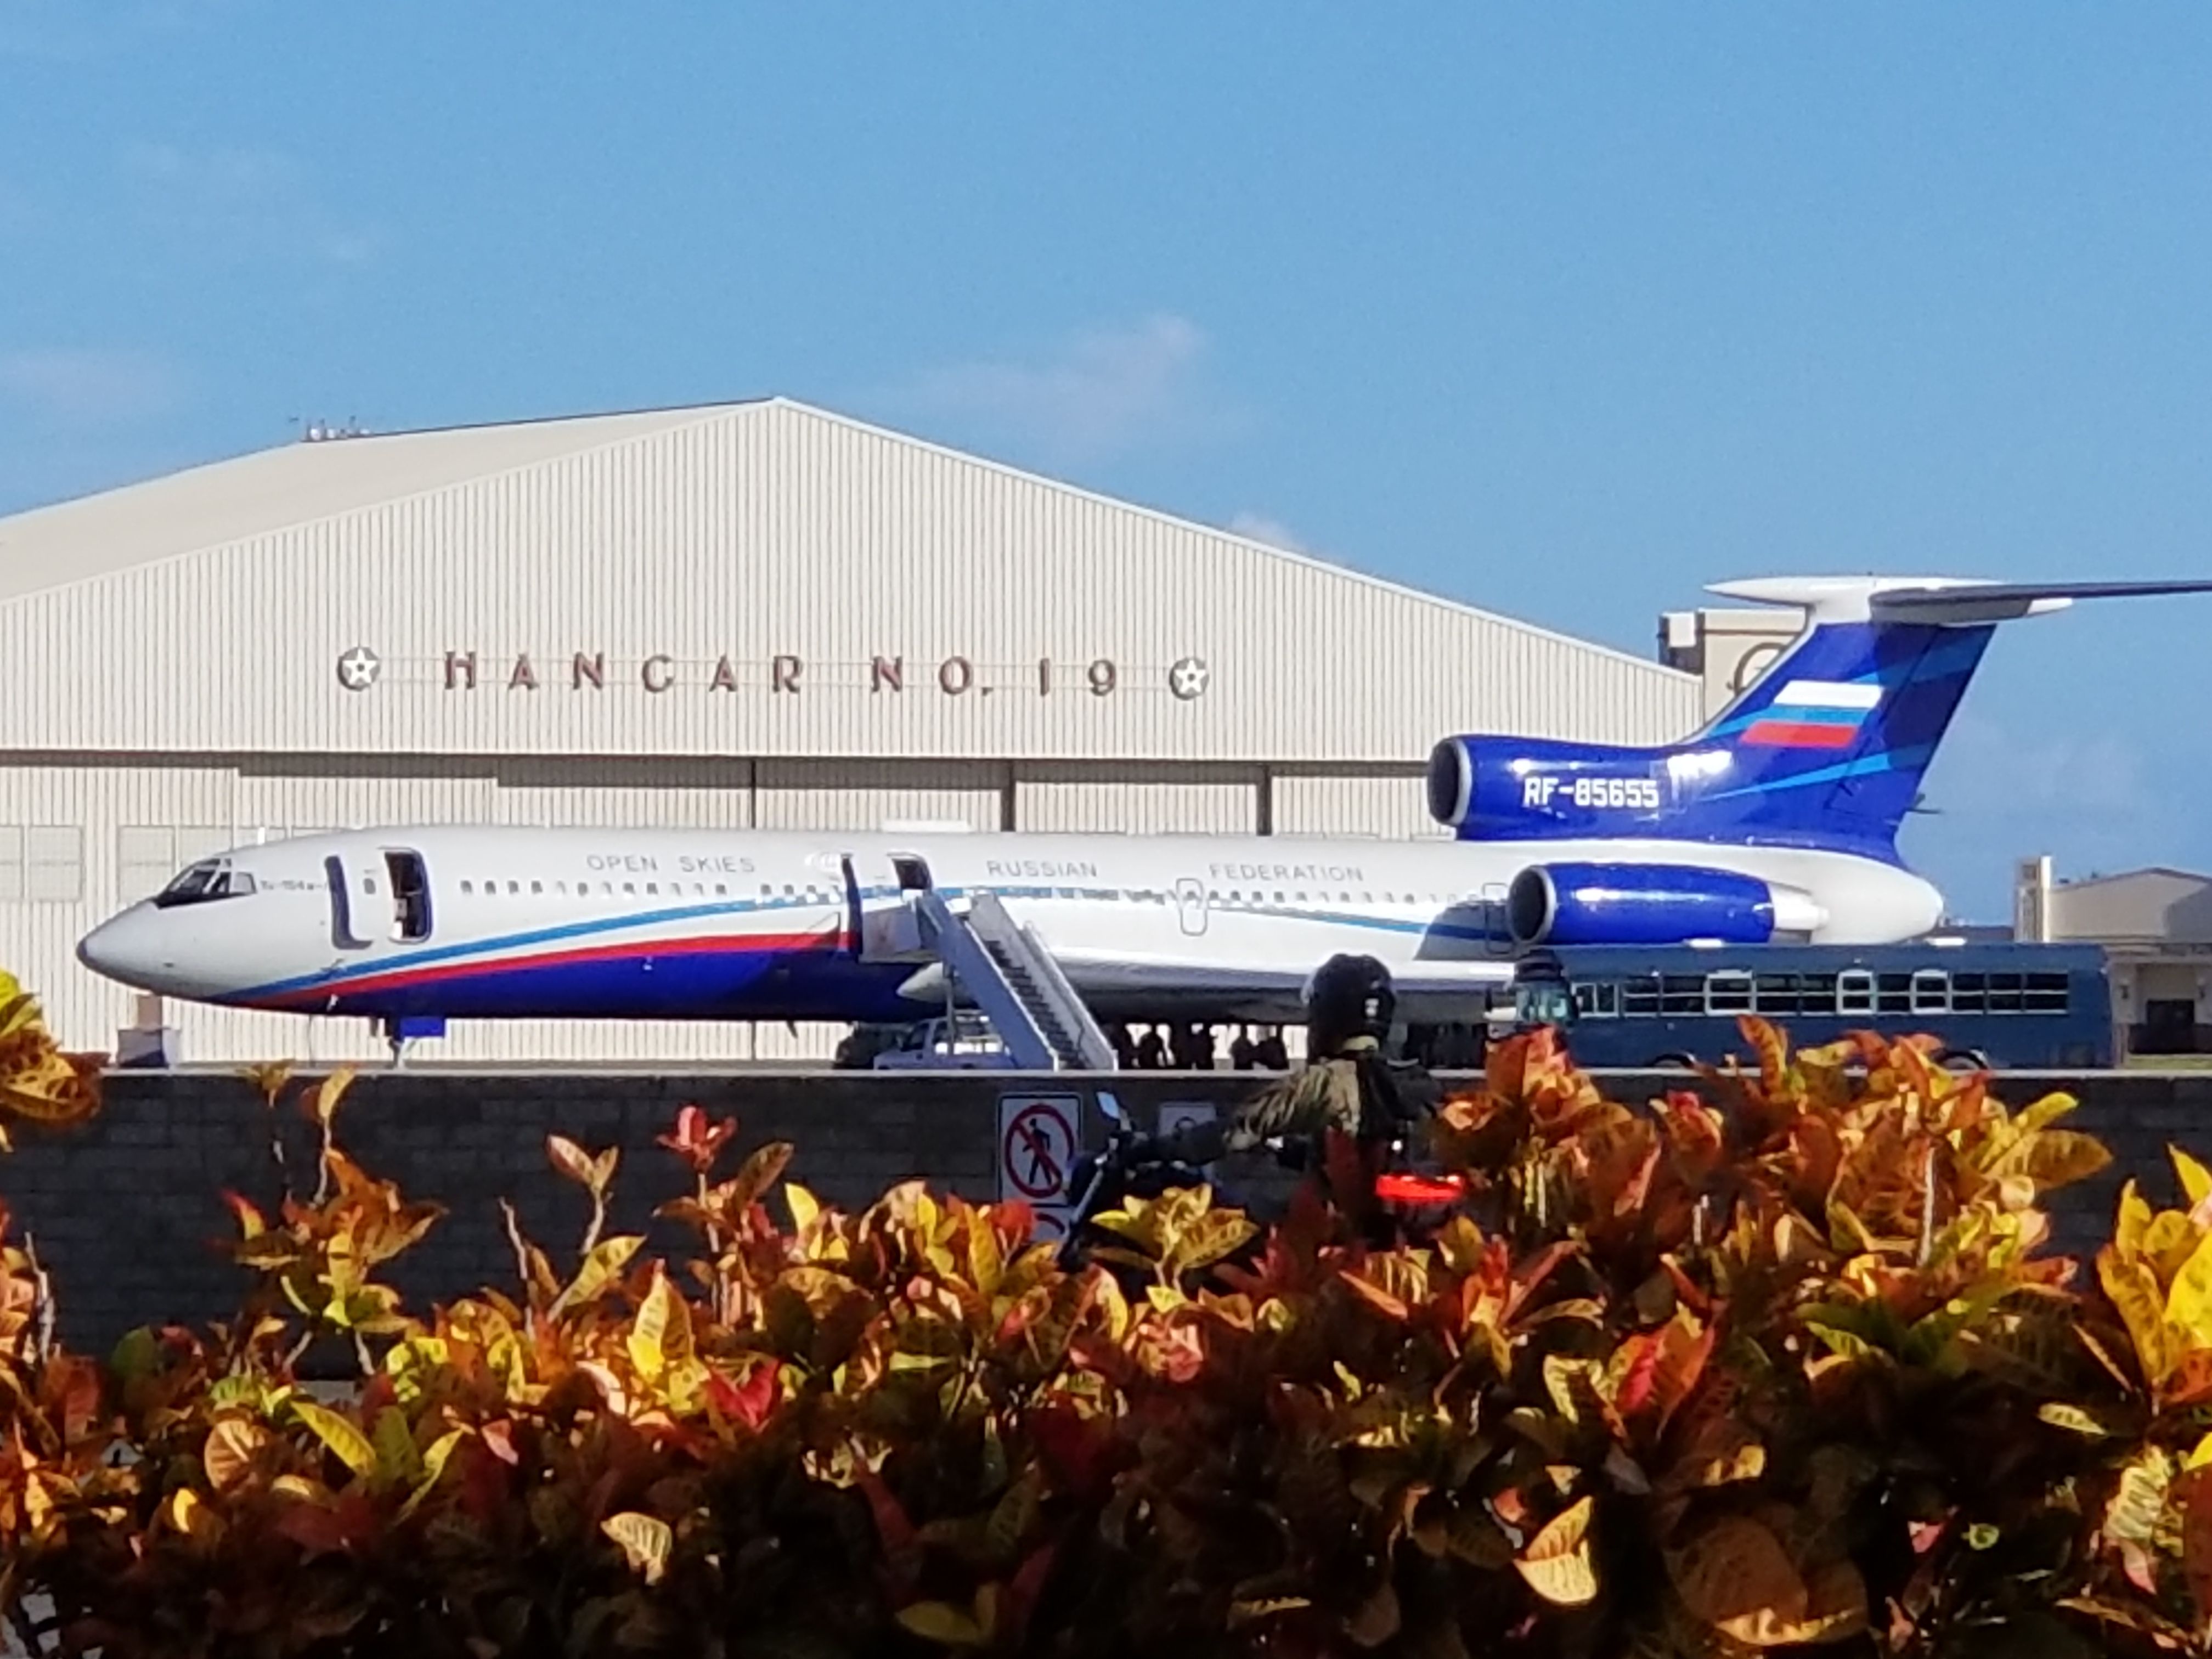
{"x":1259,"y":527}
{"x":240,"y":204}
{"x":88,"y":387}
{"x":1104,"y":392}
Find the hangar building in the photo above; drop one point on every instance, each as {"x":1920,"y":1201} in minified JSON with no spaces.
{"x":750,"y":614}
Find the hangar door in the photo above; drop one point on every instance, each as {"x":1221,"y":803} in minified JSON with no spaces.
{"x":1202,"y":805}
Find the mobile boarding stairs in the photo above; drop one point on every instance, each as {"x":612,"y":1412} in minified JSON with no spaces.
{"x":971,"y":944}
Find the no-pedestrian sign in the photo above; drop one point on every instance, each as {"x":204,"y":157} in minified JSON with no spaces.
{"x":1038,"y":1135}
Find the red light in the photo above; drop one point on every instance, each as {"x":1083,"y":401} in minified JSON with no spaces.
{"x":1418,"y":1188}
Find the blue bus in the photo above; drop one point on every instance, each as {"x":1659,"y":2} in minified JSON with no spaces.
{"x":2000,"y":1006}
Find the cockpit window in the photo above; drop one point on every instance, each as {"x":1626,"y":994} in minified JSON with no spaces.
{"x":210,"y":878}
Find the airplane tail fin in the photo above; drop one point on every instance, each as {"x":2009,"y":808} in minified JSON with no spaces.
{"x":1829,"y":746}
{"x":1825,"y":749}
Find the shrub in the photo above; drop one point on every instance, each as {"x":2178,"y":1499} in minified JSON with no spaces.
{"x":1784,"y":1364}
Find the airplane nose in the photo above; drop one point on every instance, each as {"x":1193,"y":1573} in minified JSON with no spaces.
{"x":123,"y":948}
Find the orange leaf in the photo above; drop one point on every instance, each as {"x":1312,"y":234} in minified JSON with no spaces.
{"x":1557,"y":1563}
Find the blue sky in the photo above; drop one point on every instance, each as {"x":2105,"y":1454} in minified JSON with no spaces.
{"x":1561,"y":310}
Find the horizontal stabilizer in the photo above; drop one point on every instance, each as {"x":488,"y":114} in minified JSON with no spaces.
{"x":1936,"y":601}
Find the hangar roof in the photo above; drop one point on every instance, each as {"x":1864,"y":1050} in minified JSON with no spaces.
{"x":292,"y":485}
{"x":758,"y":578}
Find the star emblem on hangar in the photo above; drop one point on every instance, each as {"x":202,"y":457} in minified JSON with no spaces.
{"x":358,"y":669}
{"x":1188,"y":678}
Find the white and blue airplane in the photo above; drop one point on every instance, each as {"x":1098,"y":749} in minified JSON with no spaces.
{"x":1777,"y":821}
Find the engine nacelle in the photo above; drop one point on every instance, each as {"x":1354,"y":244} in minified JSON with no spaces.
{"x":1516,"y":788}
{"x":1651,"y":904}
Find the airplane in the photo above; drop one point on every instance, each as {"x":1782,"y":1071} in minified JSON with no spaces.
{"x":1777,"y":821}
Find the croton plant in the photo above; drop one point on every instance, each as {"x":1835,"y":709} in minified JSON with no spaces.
{"x":1783,"y":1362}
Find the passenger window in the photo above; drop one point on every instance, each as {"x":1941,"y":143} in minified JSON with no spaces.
{"x":467,"y":887}
{"x":1931,"y":992}
{"x":1639,"y":997}
{"x":1776,"y":993}
{"x":1728,"y":994}
{"x":2004,"y":993}
{"x":1855,"y":992}
{"x":653,"y":888}
{"x":537,"y":886}
{"x":1816,"y":993}
{"x":2047,"y":994}
{"x":1894,"y":995}
{"x":630,"y":887}
{"x":1682,"y":993}
{"x":1598,"y":1000}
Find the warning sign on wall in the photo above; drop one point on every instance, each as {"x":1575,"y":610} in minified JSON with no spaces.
{"x":1039,"y":1138}
{"x":1038,"y":1135}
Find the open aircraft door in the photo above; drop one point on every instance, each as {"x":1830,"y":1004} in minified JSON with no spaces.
{"x":878,"y":924}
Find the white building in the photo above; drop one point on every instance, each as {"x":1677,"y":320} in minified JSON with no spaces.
{"x":2155,"y":925}
{"x":749,"y":614}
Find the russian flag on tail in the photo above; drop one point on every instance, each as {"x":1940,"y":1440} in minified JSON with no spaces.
{"x":1814,"y":714}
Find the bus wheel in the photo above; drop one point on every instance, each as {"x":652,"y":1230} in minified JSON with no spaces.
{"x":1964,"y":1061}
{"x":1676,"y":1062}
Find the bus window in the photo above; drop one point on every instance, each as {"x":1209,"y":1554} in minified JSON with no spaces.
{"x":1969,"y":993}
{"x":1597,"y":1000}
{"x":1893,"y":993}
{"x":2004,"y":993}
{"x":1727,"y":992}
{"x":1777,"y":994}
{"x":1855,"y":992}
{"x":1639,"y":997}
{"x":1682,"y":993}
{"x":1816,"y":993}
{"x":2047,"y":994}
{"x":1931,"y":992}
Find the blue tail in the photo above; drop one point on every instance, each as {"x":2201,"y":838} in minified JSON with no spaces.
{"x":1826,"y":749}
{"x":1829,"y":746}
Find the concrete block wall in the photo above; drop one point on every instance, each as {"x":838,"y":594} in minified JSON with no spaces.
{"x":127,"y":1212}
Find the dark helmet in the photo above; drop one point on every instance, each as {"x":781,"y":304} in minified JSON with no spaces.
{"x":1348,"y":997}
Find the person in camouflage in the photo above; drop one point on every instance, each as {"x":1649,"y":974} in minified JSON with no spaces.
{"x":1346,"y":1083}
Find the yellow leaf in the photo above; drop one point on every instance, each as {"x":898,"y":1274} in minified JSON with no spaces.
{"x":351,"y":1446}
{"x":570,"y":1159}
{"x":2189,"y":1302}
{"x":228,"y":1455}
{"x":2133,"y":1287}
{"x":2132,"y":1221}
{"x":645,"y":1539}
{"x":2058,"y":1157}
{"x":2200,"y":1456}
{"x":2196,"y":1179}
{"x":942,"y":1623}
{"x":805,"y":1208}
{"x":328,"y":1092}
{"x":1557,"y":1563}
{"x":602,"y":1266}
{"x":654,"y":1315}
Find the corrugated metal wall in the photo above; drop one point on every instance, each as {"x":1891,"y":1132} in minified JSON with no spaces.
{"x":1396,"y":807}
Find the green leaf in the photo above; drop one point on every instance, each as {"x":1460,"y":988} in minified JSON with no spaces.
{"x":350,"y":1445}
